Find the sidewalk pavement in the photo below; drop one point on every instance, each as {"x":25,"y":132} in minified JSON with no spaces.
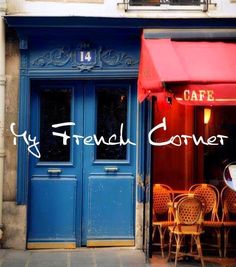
{"x":97,"y":257}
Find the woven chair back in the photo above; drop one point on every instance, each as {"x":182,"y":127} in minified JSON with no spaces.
{"x":189,"y":210}
{"x":228,"y":198}
{"x":162,"y":196}
{"x":209,"y":195}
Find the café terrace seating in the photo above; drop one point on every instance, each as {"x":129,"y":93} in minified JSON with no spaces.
{"x":164,"y":203}
{"x":228,"y":203}
{"x":162,"y":196}
{"x":210,"y":196}
{"x":188,"y":217}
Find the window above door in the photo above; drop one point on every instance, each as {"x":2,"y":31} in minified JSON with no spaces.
{"x":163,"y":2}
{"x":167,"y":5}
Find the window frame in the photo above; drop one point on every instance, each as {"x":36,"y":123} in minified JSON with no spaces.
{"x":159,"y":3}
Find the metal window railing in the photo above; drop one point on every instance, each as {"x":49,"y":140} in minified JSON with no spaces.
{"x":163,"y":2}
{"x":138,"y":5}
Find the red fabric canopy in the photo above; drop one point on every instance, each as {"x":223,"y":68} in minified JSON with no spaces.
{"x":198,"y":73}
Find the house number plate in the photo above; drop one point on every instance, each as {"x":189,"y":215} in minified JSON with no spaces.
{"x":86,"y":56}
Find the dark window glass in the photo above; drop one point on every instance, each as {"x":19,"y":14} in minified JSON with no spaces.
{"x":55,"y":108}
{"x":185,"y":2}
{"x":144,"y":2}
{"x":111,"y":113}
{"x":216,"y":158}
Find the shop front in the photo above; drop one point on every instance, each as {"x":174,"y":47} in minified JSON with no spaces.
{"x":189,"y":78}
{"x":88,"y":151}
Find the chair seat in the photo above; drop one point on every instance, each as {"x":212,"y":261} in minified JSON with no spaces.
{"x":230,"y":223}
{"x":185,"y":230}
{"x":216,"y":224}
{"x":163,"y":223}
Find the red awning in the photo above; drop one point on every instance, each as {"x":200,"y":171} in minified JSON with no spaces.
{"x":196,"y":72}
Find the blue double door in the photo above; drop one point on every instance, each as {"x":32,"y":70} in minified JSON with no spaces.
{"x":82,"y":188}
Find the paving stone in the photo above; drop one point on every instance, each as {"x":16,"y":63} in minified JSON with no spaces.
{"x":107,"y":259}
{"x":97,"y":258}
{"x":15,"y":258}
{"x":48,"y":259}
{"x":106,"y":264}
{"x":3,"y":253}
{"x":81,"y":264}
{"x":135,"y":265}
{"x":51,"y":263}
{"x":132,"y":260}
{"x":13,"y":263}
{"x":82,"y":259}
{"x":16,"y":254}
{"x":57,"y":255}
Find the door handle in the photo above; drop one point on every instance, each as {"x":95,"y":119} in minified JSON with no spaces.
{"x":111,"y":169}
{"x":54,"y":171}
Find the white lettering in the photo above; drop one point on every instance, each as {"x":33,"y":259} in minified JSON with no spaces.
{"x":221,"y":137}
{"x":110,"y":140}
{"x":199,"y":140}
{"x":176,"y":140}
{"x":198,"y":95}
{"x":32,"y":144}
{"x":88,"y":140}
{"x":185,"y":138}
{"x":63,"y":135}
{"x":77,"y":138}
{"x":172,"y":139}
{"x":158,"y":126}
{"x":69,"y":123}
{"x":202,"y":94}
{"x":210,"y":95}
{"x":122,"y":142}
{"x":186,"y":95}
{"x":211,"y":141}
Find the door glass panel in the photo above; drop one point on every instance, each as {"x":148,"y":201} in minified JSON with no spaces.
{"x":54,"y":108}
{"x":111,"y":113}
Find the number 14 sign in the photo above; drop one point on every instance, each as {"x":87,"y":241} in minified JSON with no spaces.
{"x":87,"y":57}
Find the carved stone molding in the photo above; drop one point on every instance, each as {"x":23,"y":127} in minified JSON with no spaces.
{"x":101,"y":57}
{"x":56,"y":57}
{"x":114,"y":58}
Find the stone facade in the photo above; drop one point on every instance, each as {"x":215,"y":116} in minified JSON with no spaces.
{"x":14,"y":216}
{"x":116,"y":8}
{"x":14,"y":221}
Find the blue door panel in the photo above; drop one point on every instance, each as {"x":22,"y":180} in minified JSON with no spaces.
{"x":110,"y":204}
{"x":84,"y":201}
{"x":52,"y":216}
{"x":109,"y":196}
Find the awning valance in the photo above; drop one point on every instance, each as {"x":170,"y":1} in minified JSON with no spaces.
{"x":196,"y":72}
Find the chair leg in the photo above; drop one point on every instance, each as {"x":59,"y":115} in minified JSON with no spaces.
{"x":226,"y":237}
{"x":191,"y":244}
{"x":170,"y":245}
{"x":154,"y":232}
{"x":199,"y":249}
{"x":218,"y":236}
{"x":178,"y":243}
{"x":162,"y":234}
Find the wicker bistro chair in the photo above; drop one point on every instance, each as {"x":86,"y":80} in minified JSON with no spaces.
{"x":188,"y":212}
{"x":228,"y":202}
{"x":210,"y":196}
{"x":162,"y":196}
